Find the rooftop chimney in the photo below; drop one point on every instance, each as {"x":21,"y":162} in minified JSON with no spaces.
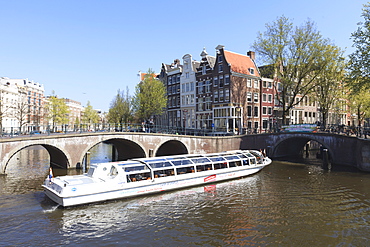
{"x":251,"y":54}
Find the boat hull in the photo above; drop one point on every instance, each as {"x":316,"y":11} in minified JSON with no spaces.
{"x":151,"y":186}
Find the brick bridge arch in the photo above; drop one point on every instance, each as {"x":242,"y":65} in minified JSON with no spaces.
{"x":343,"y":150}
{"x":68,"y":151}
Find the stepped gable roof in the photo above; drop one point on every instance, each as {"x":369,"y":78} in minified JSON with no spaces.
{"x":241,"y":63}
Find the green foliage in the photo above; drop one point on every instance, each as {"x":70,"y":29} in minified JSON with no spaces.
{"x":359,"y":61}
{"x":298,"y":56}
{"x":90,"y":116}
{"x":121,"y":110}
{"x":150,"y":97}
{"x":359,"y":104}
{"x":57,"y":110}
{"x":329,"y":90}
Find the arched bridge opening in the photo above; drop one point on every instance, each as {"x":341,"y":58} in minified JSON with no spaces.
{"x":57,"y":158}
{"x":298,"y":147}
{"x":172,"y":147}
{"x":124,"y":149}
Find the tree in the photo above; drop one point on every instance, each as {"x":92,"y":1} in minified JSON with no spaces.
{"x":359,"y":104}
{"x":329,"y":84}
{"x":57,"y":111}
{"x":121,"y":109}
{"x":22,"y":110}
{"x":90,"y":116}
{"x":150,"y":97}
{"x":359,"y":61}
{"x":296,"y":54}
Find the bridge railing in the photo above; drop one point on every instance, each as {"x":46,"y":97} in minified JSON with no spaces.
{"x":9,"y":132}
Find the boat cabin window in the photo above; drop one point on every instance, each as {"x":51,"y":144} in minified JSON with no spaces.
{"x":258,"y":157}
{"x":215,"y":159}
{"x":160,"y":173}
{"x":221,"y":165}
{"x":232,"y":157}
{"x":200,"y":160}
{"x":205,"y":167}
{"x":160,"y":164}
{"x":181,"y":162}
{"x":185,"y":170}
{"x":135,"y":168}
{"x":236,"y":163}
{"x":137,"y":173}
{"x":138,"y":177}
{"x":253,"y":161}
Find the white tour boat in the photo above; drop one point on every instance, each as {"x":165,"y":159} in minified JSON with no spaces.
{"x":115,"y":180}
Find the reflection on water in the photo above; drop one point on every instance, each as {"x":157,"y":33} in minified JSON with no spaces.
{"x":286,"y":204}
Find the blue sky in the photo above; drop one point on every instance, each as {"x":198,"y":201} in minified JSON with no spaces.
{"x":88,"y":49}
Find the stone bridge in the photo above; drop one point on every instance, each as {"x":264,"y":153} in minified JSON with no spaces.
{"x":343,"y":150}
{"x":69,"y":150}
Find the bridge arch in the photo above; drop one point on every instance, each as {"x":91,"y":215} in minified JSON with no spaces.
{"x":58,"y":158}
{"x":171,"y":147}
{"x":123,"y":149}
{"x":294,"y":145}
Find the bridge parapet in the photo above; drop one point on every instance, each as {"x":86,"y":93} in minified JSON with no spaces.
{"x":67,"y":150}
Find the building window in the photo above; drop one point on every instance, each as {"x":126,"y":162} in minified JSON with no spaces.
{"x":269,"y":84}
{"x":249,"y":111}
{"x":208,"y":103}
{"x":269,"y":98}
{"x":264,"y":97}
{"x":256,"y":84}
{"x":256,"y":111}
{"x":215,"y":96}
{"x":220,"y":68}
{"x":264,"y":84}
{"x":255,"y":97}
{"x":249,"y":97}
{"x":227,"y":79}
{"x":204,"y":70}
{"x":227,"y":95}
{"x":251,"y":70}
{"x":221,"y":81}
{"x":200,"y":87}
{"x":215,"y":81}
{"x":220,"y":59}
{"x":208,"y":86}
{"x":221,"y":95}
{"x":264,"y":123}
{"x":191,"y":86}
{"x":249,"y":83}
{"x":200,"y":104}
{"x":264,"y":110}
{"x":187,"y":75}
{"x":269,"y":111}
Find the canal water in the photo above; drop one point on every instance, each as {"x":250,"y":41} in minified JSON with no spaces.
{"x":286,"y":204}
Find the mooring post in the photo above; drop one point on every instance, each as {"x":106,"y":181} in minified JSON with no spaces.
{"x":325,"y":159}
{"x":114,"y":158}
{"x":87,"y":162}
{"x":307,"y":149}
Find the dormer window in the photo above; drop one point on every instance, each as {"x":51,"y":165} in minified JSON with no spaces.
{"x":251,"y":70}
